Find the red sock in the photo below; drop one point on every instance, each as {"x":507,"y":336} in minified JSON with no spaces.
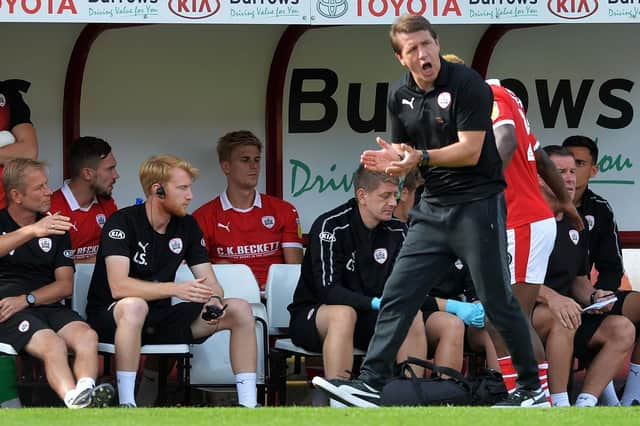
{"x":509,"y":374}
{"x":543,"y":368}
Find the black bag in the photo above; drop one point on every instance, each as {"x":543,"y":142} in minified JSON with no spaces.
{"x":416,"y":391}
{"x":488,"y":387}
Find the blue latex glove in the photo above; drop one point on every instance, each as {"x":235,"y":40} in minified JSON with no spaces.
{"x":470,"y":313}
{"x":375,"y":303}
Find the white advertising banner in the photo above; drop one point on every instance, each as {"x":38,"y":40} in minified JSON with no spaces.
{"x":157,"y":11}
{"x":319,"y":12}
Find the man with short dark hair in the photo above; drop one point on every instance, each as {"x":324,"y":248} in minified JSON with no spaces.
{"x":604,"y":243}
{"x":440,"y":121}
{"x":86,"y":197}
{"x":603,"y":336}
{"x":36,"y":274}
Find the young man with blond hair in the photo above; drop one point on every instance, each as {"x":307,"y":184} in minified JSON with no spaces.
{"x":129,"y":300}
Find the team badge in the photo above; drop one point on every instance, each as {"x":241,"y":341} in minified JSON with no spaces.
{"x":380,"y":255}
{"x":101,"y":219}
{"x":444,"y":100}
{"x":574,"y":236}
{"x":3,"y":101}
{"x":591,"y":221}
{"x":458,"y":264}
{"x":45,"y":244}
{"x":175,"y":245}
{"x":495,"y":111}
{"x":268,"y":221}
{"x":68,"y":254}
{"x":24,"y":326}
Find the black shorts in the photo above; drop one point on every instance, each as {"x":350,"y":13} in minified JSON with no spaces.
{"x":20,"y":328}
{"x":304,"y":333}
{"x":589,"y":326}
{"x":164,"y":325}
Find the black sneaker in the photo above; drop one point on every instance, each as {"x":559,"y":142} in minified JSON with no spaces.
{"x":355,"y":393}
{"x":102,"y":395}
{"x":523,"y":398}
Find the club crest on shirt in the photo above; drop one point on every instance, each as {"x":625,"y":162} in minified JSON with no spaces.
{"x":380,"y":255}
{"x":175,"y":245}
{"x":3,"y":100}
{"x":24,"y":326}
{"x":268,"y":221}
{"x":591,"y":221}
{"x":45,"y":244}
{"x":495,"y":111}
{"x":444,"y":100}
{"x":101,"y":219}
{"x":574,"y":236}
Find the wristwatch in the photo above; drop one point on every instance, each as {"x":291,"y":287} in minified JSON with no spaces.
{"x":31,"y":299}
{"x":425,"y":158}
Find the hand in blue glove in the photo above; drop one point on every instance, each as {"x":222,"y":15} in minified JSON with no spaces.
{"x":470,"y":313}
{"x":375,"y":303}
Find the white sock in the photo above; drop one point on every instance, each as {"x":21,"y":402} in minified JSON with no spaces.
{"x":69,"y":397}
{"x":632,"y":387}
{"x":148,"y":389}
{"x":85,"y":383}
{"x":126,"y":386}
{"x":586,"y":400}
{"x":560,"y":399}
{"x":336,"y":404}
{"x":246,"y":385}
{"x":609,"y":396}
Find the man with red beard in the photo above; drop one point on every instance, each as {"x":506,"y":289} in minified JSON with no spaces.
{"x":129,"y":301}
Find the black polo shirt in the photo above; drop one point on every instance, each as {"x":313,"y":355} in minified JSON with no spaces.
{"x":568,"y":259}
{"x":33,"y":264}
{"x":152,"y":256}
{"x":459,"y":101}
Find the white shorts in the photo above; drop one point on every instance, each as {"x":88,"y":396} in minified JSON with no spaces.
{"x":529,"y":249}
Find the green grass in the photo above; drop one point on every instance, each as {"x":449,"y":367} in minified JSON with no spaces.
{"x":428,"y":416}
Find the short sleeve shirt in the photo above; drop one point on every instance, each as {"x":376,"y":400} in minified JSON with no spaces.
{"x":13,"y":111}
{"x":153,"y":257}
{"x":524,"y":200}
{"x":459,"y":101}
{"x":254,"y":236}
{"x":33,"y":264}
{"x":86,"y":223}
{"x":568,"y":259}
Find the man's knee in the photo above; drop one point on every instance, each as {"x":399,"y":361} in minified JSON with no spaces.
{"x":131,"y":311}
{"x":337,"y":319}
{"x":619,"y":331}
{"x":85,"y":339}
{"x":47,"y":345}
{"x":241,"y":311}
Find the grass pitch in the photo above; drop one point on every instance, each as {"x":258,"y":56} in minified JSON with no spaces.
{"x":299,"y":416}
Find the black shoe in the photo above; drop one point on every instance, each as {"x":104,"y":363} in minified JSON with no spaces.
{"x":523,"y":398}
{"x":355,"y":393}
{"x":102,"y":395}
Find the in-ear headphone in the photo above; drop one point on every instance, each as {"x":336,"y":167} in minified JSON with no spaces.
{"x":160,"y":192}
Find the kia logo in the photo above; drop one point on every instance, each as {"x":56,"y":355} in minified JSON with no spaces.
{"x":117,"y":234}
{"x":194,"y":9}
{"x":572,"y":9}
